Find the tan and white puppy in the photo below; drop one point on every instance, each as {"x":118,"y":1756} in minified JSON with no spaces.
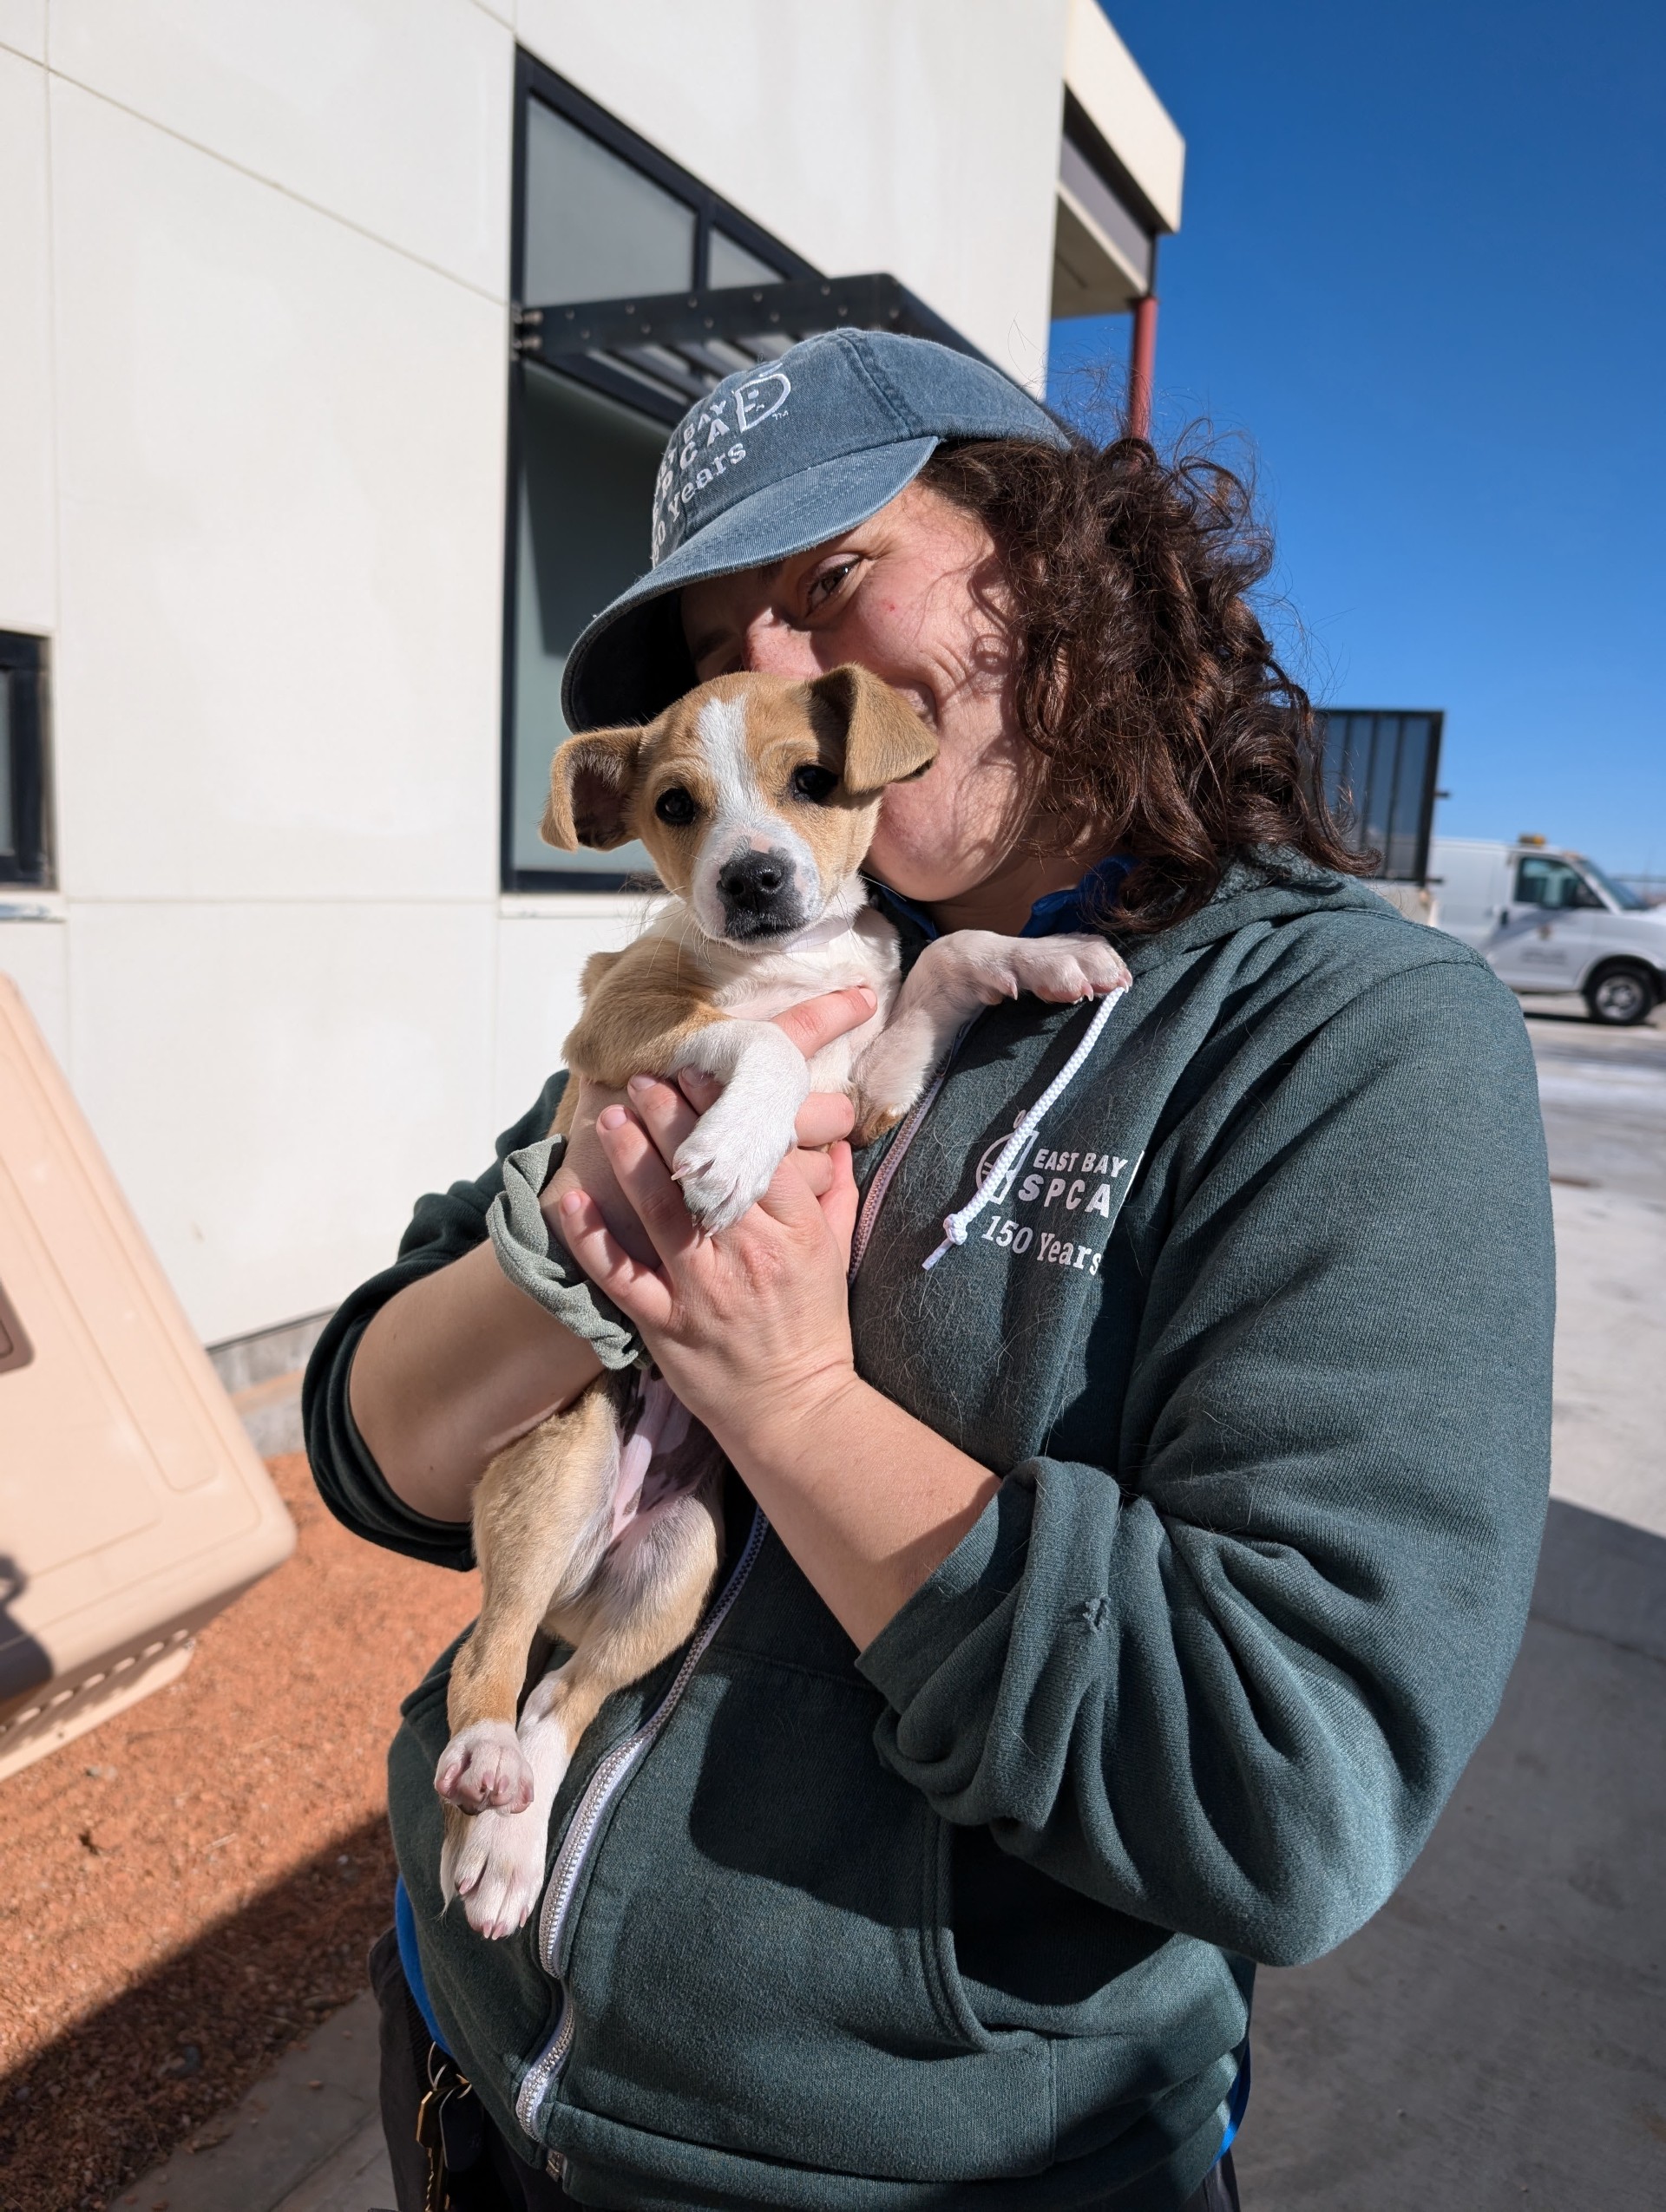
{"x":757,"y":799}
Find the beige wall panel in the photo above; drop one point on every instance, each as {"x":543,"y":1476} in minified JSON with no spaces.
{"x":275,"y":1084}
{"x":34,"y":955}
{"x":542,"y":947}
{"x":281,"y":475}
{"x":28,"y":600}
{"x":394,"y":114}
{"x":22,"y":27}
{"x":920,"y":138}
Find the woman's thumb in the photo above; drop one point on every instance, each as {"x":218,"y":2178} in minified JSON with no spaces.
{"x":818,"y":1021}
{"x":839,"y":1202}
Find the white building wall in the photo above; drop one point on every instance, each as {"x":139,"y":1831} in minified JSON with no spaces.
{"x":253,"y":265}
{"x":920,"y":136}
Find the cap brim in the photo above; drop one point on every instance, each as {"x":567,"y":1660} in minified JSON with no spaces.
{"x":632,"y":661}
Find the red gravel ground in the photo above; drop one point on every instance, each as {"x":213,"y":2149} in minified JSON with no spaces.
{"x":186,"y":1890}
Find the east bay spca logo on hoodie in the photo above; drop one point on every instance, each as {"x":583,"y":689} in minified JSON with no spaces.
{"x":710,"y":443}
{"x":1070,"y":1199}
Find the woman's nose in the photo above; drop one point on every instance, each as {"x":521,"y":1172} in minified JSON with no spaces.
{"x":772,"y":648}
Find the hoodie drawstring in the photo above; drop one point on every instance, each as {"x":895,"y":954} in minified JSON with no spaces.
{"x":955,"y":1226}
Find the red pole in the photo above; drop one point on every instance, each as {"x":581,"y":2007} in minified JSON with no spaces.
{"x":1142,"y":367}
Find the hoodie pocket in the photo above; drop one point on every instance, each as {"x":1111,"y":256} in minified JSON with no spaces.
{"x":759,"y":1960}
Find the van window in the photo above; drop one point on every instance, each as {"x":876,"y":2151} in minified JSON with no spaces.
{"x":1621,"y":894}
{"x":1541,"y":882}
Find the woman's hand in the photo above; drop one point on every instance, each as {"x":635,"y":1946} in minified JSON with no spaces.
{"x":822,"y":1119}
{"x":749,"y":1328}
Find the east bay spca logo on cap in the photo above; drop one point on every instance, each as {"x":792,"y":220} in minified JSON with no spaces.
{"x":712,"y":441}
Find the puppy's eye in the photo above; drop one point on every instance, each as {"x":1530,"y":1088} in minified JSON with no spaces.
{"x":675,"y":806}
{"x":816,"y":784}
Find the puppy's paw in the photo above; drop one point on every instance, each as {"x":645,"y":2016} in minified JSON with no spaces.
{"x":1062,"y":969}
{"x":483,"y":1767}
{"x":873,"y":1122}
{"x":724,"y":1166}
{"x":495,"y":1862}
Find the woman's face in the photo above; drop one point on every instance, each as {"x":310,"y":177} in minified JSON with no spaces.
{"x":915,"y":594}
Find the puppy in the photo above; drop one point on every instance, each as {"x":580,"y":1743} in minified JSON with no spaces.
{"x":601,"y":1529}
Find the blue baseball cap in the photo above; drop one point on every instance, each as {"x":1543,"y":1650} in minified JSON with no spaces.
{"x":779,"y":458}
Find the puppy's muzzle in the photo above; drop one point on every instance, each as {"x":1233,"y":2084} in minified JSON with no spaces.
{"x":760,"y":893}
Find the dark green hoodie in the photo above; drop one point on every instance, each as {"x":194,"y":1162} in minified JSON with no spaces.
{"x":1258,"y":1334}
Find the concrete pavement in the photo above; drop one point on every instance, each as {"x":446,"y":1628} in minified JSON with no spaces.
{"x":306,"y":2139}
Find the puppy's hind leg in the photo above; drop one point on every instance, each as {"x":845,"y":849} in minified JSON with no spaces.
{"x":542,"y":1517}
{"x":646,"y":1600}
{"x":494,"y":1861}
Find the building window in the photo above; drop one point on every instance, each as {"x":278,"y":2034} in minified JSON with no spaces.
{"x":25,"y":854}
{"x":600,"y":217}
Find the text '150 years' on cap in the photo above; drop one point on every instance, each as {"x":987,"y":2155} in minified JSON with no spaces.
{"x":777,"y":458}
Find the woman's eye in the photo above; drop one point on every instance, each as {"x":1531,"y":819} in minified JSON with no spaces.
{"x":824,"y":586}
{"x":816,"y":784}
{"x":675,"y":806}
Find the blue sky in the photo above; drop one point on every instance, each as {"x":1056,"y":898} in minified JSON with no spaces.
{"x":1423,"y":271}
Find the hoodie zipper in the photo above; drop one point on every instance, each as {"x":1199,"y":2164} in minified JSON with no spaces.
{"x":584,"y":1823}
{"x":615,"y":1769}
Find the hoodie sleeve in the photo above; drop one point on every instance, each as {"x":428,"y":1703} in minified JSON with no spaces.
{"x":504,"y":1205}
{"x":1225,"y":1682}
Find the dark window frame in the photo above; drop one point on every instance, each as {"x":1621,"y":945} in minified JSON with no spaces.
{"x":533,"y":81}
{"x":24,"y":672}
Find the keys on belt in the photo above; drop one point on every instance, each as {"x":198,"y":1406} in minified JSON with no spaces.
{"x":451,"y":2129}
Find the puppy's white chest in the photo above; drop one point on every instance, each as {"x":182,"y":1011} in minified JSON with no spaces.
{"x":866,"y":953}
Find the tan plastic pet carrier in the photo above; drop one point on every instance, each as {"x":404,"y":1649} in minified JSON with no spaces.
{"x":133,"y":1508}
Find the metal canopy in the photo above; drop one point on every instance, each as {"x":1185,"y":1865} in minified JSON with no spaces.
{"x":662,"y":354}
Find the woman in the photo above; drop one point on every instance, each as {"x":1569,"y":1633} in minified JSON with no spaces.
{"x":1137,"y":1579}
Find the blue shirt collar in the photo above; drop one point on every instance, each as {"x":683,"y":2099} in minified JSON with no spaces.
{"x":1083,"y":907}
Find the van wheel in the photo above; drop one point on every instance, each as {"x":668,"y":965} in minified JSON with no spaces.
{"x":1621,"y":997}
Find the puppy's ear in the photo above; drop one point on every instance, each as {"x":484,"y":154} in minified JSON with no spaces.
{"x":885,"y":742}
{"x":591,"y":780}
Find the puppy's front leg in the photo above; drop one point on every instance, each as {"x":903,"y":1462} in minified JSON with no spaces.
{"x":947,"y":985}
{"x":725,"y":1161}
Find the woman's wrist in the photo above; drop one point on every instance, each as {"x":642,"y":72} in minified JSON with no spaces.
{"x":774,"y":1432}
{"x":868,"y":1499}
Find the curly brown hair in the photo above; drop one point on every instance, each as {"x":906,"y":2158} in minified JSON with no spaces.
{"x":1142,"y":677}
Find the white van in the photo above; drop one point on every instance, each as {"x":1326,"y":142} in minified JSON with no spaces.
{"x":1550,"y":920}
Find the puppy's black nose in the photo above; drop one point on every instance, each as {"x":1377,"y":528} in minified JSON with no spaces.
{"x":755,"y":886}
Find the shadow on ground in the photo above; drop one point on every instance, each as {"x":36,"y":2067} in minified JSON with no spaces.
{"x":1493,"y":2039}
{"x":151,"y":2068}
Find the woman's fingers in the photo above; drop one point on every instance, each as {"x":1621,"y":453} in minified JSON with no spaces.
{"x":817,"y":1170}
{"x":824,"y":1117}
{"x":818,"y":1021}
{"x":841,"y":1199}
{"x":645,"y":1179}
{"x":638,"y":1291}
{"x":664,"y":1113}
{"x":586,"y":1167}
